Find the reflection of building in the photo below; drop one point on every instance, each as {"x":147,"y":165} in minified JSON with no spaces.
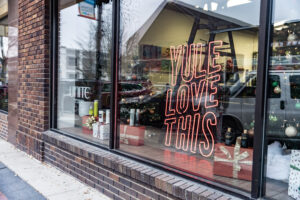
{"x":75,"y":64}
{"x":81,"y":64}
{"x":176,"y":23}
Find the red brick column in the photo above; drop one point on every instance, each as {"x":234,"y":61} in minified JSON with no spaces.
{"x":33,"y":75}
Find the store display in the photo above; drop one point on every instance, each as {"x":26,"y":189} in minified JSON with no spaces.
{"x":84,"y":107}
{"x":233,"y":161}
{"x":245,"y":139}
{"x":229,"y":137}
{"x":294,"y":178}
{"x":137,"y":116}
{"x":291,"y":131}
{"x":104,"y":131}
{"x":132,"y":115}
{"x":297,"y":105}
{"x":96,"y":102}
{"x":107,"y":116}
{"x":101,"y":116}
{"x":101,"y":131}
{"x":277,"y":90}
{"x":273,"y":118}
{"x":132,"y":135}
{"x":95,"y":129}
{"x":277,"y":163}
{"x":87,"y":124}
{"x":91,"y":112}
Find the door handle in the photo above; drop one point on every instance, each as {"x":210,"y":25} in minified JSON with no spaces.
{"x":282,"y":106}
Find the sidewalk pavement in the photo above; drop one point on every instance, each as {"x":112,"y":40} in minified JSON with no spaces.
{"x":50,"y":182}
{"x":13,"y":187}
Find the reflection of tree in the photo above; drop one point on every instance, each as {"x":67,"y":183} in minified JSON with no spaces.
{"x":3,"y":61}
{"x":129,"y":47}
{"x":96,"y":51}
{"x":3,"y":75}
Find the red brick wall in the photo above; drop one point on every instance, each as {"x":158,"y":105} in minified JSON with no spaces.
{"x":33,"y":75}
{"x":3,"y":126}
{"x":119,"y":177}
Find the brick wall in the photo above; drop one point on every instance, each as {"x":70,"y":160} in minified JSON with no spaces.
{"x":119,"y":177}
{"x":3,"y":126}
{"x":33,"y":75}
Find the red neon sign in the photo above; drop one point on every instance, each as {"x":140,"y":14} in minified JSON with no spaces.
{"x":194,"y":132}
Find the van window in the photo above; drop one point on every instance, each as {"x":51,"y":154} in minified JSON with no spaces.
{"x":274,"y":82}
{"x":249,"y":89}
{"x":295,"y":86}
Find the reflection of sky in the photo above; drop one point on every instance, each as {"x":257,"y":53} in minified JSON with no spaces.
{"x":286,"y":10}
{"x":141,"y":10}
{"x":135,"y":13}
{"x":243,"y":10}
{"x":75,"y":30}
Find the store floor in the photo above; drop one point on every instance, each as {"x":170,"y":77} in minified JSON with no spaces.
{"x":202,"y":167}
{"x":191,"y":163}
{"x":196,"y":165}
{"x":77,"y":131}
{"x":277,"y":190}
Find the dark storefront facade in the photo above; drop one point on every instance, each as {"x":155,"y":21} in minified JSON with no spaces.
{"x":157,"y":99}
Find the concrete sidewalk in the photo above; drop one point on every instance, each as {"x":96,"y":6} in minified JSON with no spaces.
{"x":52,"y":183}
{"x":13,"y":187}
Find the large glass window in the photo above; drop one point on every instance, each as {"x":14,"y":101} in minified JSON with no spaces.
{"x":187,"y":85}
{"x":283,"y":116}
{"x":84,"y":69}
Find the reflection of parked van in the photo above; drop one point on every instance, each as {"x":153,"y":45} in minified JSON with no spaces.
{"x":283,"y":105}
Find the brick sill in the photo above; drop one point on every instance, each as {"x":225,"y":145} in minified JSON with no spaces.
{"x":158,"y":180}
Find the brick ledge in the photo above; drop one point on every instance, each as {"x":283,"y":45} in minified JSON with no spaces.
{"x":157,"y":179}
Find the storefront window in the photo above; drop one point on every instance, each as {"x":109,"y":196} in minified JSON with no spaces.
{"x":84,"y":69}
{"x":282,"y":130}
{"x":187,"y":85}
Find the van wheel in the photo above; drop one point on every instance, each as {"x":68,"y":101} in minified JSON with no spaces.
{"x":233,"y":124}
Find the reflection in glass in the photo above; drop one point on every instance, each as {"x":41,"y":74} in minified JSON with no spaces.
{"x":83,"y":101}
{"x":187,"y":86}
{"x":3,"y":70}
{"x":282,"y":130}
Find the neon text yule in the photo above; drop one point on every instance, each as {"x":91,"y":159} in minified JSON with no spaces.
{"x":196,"y":87}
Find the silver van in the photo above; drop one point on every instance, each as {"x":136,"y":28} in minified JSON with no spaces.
{"x":283,"y":105}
